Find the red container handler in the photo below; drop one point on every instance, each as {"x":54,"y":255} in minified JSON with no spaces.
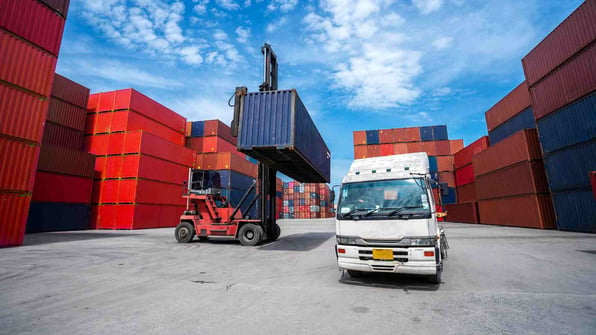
{"x":530,"y":211}
{"x":466,"y":212}
{"x":135,"y":216}
{"x":66,"y":114}
{"x":467,"y":193}
{"x":18,"y":160}
{"x":135,"y":142}
{"x":25,"y":65}
{"x":464,"y":156}
{"x":14,"y":210}
{"x":572,"y":35}
{"x":219,"y":129}
{"x":70,"y":91}
{"x":524,"y":178}
{"x":119,"y":191}
{"x":33,"y":21}
{"x":519,"y":147}
{"x":464,"y":175}
{"x":512,"y":104}
{"x":51,"y":187}
{"x":62,"y":136}
{"x":66,"y":161}
{"x":571,"y":81}
{"x":22,"y":114}
{"x":140,"y":166}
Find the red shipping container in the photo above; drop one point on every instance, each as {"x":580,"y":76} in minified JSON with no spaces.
{"x":14,"y":210}
{"x":414,"y":147}
{"x":195,"y":143}
{"x":66,"y":161}
{"x":386,"y":136}
{"x":18,"y":160}
{"x":129,"y":121}
{"x":22,"y":114}
{"x":359,"y":137}
{"x":593,"y":182}
{"x":139,"y":191}
{"x":373,"y":150}
{"x":566,"y":84}
{"x":455,"y":146}
{"x":51,"y":187}
{"x":25,"y":65}
{"x":66,"y":114}
{"x":464,"y":156}
{"x":220,"y":129}
{"x":188,"y":129}
{"x":519,"y":147}
{"x":386,"y":149}
{"x":466,"y":212}
{"x":135,"y":142}
{"x":512,"y":104}
{"x":447,"y":177}
{"x":467,"y":193}
{"x":443,"y":148}
{"x":130,"y":99}
{"x":524,"y":178}
{"x":218,"y":144}
{"x":142,"y":166}
{"x":58,"y":135}
{"x":33,"y":21}
{"x":464,"y":175}
{"x":445,"y":163}
{"x":70,"y":91}
{"x":531,"y":211}
{"x":101,"y":102}
{"x":137,"y":216}
{"x":227,"y":161}
{"x":360,"y":152}
{"x":411,"y":134}
{"x":436,"y":196}
{"x":572,"y":35}
{"x":400,"y":148}
{"x":430,"y":147}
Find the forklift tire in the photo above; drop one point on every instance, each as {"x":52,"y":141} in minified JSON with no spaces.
{"x":250,"y":234}
{"x":184,"y":232}
{"x":276,"y":232}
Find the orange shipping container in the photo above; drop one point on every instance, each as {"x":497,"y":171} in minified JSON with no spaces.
{"x":400,"y":148}
{"x":430,"y":147}
{"x":524,"y":178}
{"x":467,"y":192}
{"x":386,"y":136}
{"x":512,"y":104}
{"x":219,"y":129}
{"x":531,"y":211}
{"x":447,"y":177}
{"x":411,"y":134}
{"x":386,"y":149}
{"x":373,"y":150}
{"x":443,"y":148}
{"x":445,"y":163}
{"x":226,"y":161}
{"x":456,"y":145}
{"x":218,"y":144}
{"x":359,"y":137}
{"x":415,"y":147}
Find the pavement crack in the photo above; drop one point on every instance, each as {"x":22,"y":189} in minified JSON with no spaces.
{"x":203,"y":282}
{"x":229,"y":286}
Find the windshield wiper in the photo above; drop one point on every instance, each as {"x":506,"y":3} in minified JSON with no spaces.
{"x":353,"y":211}
{"x":398,"y":210}
{"x":372,"y":211}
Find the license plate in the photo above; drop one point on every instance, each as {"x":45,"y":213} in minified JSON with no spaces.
{"x":383,"y":254}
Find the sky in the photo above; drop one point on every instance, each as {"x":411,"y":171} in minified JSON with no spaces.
{"x":357,"y":65}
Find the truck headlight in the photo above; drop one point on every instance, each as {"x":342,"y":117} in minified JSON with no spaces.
{"x":346,"y":240}
{"x":422,"y":242}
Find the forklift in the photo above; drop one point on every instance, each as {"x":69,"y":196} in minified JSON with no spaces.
{"x":209,"y":214}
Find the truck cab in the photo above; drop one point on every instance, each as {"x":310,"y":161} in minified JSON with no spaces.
{"x":386,"y":219}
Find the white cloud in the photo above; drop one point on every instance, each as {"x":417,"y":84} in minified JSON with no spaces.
{"x":220,"y":35}
{"x":283,"y":6}
{"x":442,"y":43}
{"x":273,"y":26}
{"x":228,"y":4}
{"x":200,"y":7}
{"x":427,"y":6}
{"x":243,"y":34}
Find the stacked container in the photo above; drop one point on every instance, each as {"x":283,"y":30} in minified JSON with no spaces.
{"x":433,"y":140}
{"x":141,"y":164}
{"x":510,"y":115}
{"x":306,"y":201}
{"x":561,"y":75}
{"x":30,"y":38}
{"x":511,"y":183}
{"x":64,"y":179}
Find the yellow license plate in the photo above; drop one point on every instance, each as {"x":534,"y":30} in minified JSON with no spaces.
{"x":383,"y":254}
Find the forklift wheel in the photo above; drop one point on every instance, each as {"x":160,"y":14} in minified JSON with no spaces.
{"x":184,"y":232}
{"x":276,"y":232}
{"x":250,"y":234}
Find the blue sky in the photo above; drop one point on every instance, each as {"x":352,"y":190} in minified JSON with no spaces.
{"x":357,"y":65}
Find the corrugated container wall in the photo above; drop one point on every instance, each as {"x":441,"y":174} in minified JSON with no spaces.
{"x":60,"y":6}
{"x":70,"y":91}
{"x":576,"y":210}
{"x":13,"y":218}
{"x":523,"y":120}
{"x":276,"y":128}
{"x":512,"y":104}
{"x":18,"y":160}
{"x":13,"y":121}
{"x":49,"y":216}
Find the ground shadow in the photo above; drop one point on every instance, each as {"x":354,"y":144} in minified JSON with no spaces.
{"x":70,"y":236}
{"x":390,"y":281}
{"x":298,"y":242}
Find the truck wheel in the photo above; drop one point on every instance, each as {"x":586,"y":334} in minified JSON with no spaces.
{"x":436,"y":278}
{"x":184,"y":232}
{"x":250,"y":234}
{"x":355,"y":274}
{"x":276,"y":232}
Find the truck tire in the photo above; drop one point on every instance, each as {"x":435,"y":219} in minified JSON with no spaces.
{"x":250,"y":234}
{"x":436,"y":278}
{"x":184,"y":232}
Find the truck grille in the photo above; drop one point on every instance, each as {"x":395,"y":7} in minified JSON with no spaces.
{"x":398,"y":255}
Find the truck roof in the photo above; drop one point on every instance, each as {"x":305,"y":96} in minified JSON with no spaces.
{"x":388,"y":167}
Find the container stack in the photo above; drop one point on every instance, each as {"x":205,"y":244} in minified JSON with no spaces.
{"x":30,"y":38}
{"x":306,"y":201}
{"x":466,"y":210}
{"x":433,"y":140}
{"x":510,"y":115}
{"x":511,"y":183}
{"x":64,"y":179}
{"x":561,"y":75}
{"x":142,"y":162}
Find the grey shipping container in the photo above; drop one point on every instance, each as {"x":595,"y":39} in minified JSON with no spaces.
{"x":276,"y":129}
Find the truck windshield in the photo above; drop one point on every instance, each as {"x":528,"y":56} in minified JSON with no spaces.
{"x":383,"y":198}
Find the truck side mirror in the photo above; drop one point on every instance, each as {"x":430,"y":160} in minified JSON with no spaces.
{"x":332,"y":196}
{"x":444,"y":189}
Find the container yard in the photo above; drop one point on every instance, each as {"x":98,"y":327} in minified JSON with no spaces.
{"x":139,"y":177}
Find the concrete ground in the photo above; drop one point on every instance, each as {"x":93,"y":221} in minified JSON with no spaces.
{"x":497,"y":280}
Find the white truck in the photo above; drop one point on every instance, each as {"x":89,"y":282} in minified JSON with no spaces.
{"x":386,"y":219}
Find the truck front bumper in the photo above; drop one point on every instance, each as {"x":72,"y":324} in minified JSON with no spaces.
{"x":415,"y":263}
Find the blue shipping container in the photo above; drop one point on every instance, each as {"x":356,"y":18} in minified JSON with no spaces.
{"x":235,"y":195}
{"x":440,"y":133}
{"x":575,"y":210}
{"x":54,"y":216}
{"x":372,"y":137}
{"x":426,"y":133}
{"x":434,"y":177}
{"x":522,"y":120}
{"x":236,"y":180}
{"x":572,"y":124}
{"x":197,"y":129}
{"x":449,"y":199}
{"x":275,"y":128}
{"x":432,"y":164}
{"x":568,"y":168}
